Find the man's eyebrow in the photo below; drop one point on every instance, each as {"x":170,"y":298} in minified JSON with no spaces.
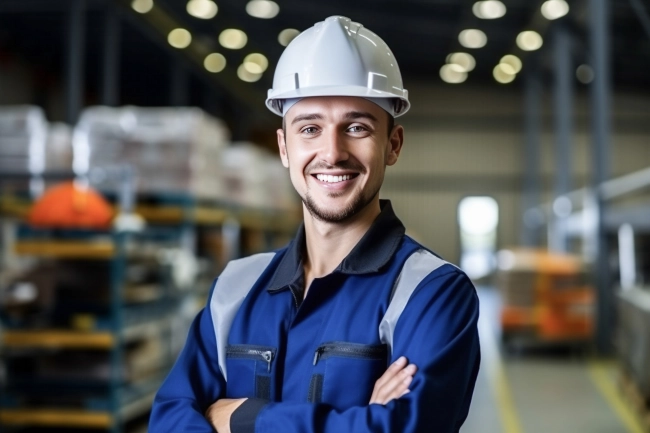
{"x":351,"y":115}
{"x":301,"y":117}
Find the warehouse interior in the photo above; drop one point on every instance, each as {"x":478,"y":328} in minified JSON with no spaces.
{"x":137,"y":158}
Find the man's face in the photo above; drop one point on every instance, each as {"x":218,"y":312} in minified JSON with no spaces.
{"x":337,"y":149}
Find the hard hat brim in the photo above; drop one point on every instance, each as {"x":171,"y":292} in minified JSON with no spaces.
{"x":273,"y":102}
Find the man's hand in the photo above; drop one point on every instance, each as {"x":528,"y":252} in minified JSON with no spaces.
{"x":394,"y":383}
{"x":219,"y":413}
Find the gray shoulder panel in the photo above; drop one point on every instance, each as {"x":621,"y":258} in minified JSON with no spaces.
{"x":420,"y":264}
{"x":232,"y":286}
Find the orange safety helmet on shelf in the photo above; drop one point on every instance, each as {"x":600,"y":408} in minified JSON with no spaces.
{"x":69,"y":205}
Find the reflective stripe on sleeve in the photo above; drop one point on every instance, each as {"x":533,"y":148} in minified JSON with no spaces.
{"x":232,"y":286}
{"x":420,"y":264}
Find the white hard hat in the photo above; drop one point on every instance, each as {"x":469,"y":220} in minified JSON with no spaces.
{"x":338,"y":57}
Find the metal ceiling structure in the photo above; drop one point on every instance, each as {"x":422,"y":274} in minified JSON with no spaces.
{"x":123,"y":57}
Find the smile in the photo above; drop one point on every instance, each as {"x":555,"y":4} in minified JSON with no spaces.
{"x":333,"y":179}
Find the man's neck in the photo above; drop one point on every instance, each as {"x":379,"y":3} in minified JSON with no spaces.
{"x":327,"y":244}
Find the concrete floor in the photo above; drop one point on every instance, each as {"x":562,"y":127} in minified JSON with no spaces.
{"x":542,"y":391}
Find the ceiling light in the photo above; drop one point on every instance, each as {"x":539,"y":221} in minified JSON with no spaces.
{"x":452,"y":75}
{"x":287,"y":36}
{"x":585,"y":74}
{"x":472,"y":38}
{"x":262,"y":9}
{"x":529,"y":40}
{"x":462,"y":61}
{"x":233,"y":39}
{"x":179,"y":38}
{"x":214,"y":62}
{"x":246,"y":75}
{"x":507,"y":69}
{"x":554,"y":9}
{"x":489,"y":10}
{"x":512,"y":61}
{"x":256,"y":63}
{"x":503,"y":73}
{"x":142,"y":6}
{"x":204,"y":9}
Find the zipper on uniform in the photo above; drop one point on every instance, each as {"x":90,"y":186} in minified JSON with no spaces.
{"x":351,"y":350}
{"x":317,"y":354}
{"x":266,"y":355}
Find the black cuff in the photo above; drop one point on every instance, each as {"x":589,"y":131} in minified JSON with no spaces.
{"x":243,"y":418}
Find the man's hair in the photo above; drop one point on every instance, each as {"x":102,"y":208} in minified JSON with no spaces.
{"x":391,"y":125}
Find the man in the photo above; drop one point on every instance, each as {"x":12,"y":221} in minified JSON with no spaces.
{"x":353,"y":327}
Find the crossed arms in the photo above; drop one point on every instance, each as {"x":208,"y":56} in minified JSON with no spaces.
{"x":437,"y":332}
{"x":393,"y":384}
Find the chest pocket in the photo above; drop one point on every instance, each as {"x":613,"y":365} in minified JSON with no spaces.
{"x":344,"y":374}
{"x":250,"y":369}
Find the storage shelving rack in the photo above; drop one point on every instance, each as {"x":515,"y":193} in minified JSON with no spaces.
{"x":177,"y":218}
{"x":98,"y":327}
{"x":119,"y":401}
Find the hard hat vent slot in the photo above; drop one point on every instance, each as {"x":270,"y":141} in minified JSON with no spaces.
{"x":377,"y":81}
{"x":290,"y":81}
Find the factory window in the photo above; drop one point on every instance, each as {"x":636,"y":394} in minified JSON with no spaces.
{"x":478,"y":218}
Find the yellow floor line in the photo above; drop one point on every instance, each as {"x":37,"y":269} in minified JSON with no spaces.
{"x":599,"y":374}
{"x":493,"y":366}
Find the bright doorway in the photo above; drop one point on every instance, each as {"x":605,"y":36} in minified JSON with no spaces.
{"x":478,"y":217}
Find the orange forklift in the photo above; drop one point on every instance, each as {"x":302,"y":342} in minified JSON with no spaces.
{"x":545,"y":298}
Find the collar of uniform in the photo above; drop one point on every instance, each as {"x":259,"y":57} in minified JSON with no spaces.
{"x":372,"y":252}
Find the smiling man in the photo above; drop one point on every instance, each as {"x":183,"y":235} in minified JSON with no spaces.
{"x":353,"y":327}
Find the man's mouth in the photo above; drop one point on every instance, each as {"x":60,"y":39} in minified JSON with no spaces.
{"x":335,"y":179}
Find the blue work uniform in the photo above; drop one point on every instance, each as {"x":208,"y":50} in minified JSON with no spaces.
{"x":310,"y":365}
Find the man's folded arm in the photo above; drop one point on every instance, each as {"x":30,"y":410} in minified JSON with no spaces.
{"x":193,"y":384}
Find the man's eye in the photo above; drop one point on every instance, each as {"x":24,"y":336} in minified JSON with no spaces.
{"x":357,"y":128}
{"x":309,"y":130}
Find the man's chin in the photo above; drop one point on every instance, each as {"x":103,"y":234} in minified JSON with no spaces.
{"x":334,"y":212}
{"x":329,"y":215}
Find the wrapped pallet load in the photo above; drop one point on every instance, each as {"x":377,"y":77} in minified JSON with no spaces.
{"x":58,"y":147}
{"x":23,"y":136}
{"x":173,"y":150}
{"x":254,"y":177}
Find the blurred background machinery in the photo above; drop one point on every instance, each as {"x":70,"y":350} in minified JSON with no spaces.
{"x":137,"y":157}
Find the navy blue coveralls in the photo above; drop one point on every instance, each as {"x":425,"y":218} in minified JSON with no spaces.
{"x":310,"y":365}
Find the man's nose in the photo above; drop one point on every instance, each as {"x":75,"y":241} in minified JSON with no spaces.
{"x":334,"y":148}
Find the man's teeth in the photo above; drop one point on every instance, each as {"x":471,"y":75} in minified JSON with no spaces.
{"x":332,"y":179}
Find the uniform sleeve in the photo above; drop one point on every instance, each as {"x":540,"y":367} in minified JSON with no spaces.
{"x":437,"y":331}
{"x":194,"y":383}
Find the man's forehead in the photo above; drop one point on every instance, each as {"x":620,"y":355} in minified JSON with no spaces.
{"x":332,"y":106}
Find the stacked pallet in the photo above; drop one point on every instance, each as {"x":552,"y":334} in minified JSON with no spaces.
{"x":633,"y":338}
{"x":255,"y":178}
{"x":173,"y":150}
{"x":23,"y":137}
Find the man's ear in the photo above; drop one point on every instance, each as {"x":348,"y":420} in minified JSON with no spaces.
{"x":394,"y":146}
{"x":282,"y":146}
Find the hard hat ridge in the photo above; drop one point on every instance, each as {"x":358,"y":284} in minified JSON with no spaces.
{"x":338,"y":57}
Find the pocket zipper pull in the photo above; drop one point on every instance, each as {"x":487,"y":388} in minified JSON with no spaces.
{"x":268,"y":357}
{"x":317,"y":355}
